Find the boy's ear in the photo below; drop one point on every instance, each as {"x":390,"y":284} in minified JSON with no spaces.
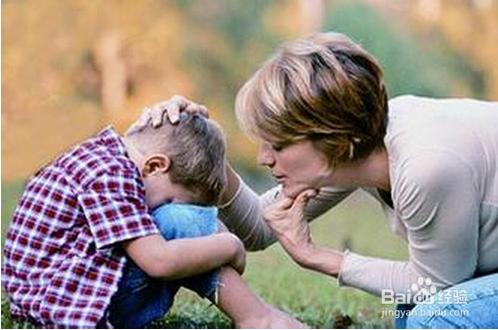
{"x":156,"y":164}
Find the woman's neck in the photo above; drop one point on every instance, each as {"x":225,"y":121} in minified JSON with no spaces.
{"x":376,"y":170}
{"x":370,"y":172}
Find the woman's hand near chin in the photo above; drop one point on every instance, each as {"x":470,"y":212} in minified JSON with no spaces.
{"x":286,"y":219}
{"x":293,"y":191}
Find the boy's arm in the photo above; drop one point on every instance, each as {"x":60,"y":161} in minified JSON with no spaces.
{"x":185,"y":257}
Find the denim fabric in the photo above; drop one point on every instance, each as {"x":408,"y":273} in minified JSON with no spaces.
{"x":479,"y":309}
{"x":402,"y":310}
{"x":141,"y":299}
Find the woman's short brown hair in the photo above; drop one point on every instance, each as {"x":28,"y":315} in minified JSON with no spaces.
{"x":324,"y":88}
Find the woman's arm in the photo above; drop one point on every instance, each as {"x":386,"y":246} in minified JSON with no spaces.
{"x":441,"y":216}
{"x":437,"y":201}
{"x":241,"y":209}
{"x":287,"y":219}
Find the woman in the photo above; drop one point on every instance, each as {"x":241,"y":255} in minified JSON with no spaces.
{"x":319,"y":108}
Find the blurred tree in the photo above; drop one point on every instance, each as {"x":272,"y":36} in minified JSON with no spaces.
{"x":55,"y":75}
{"x":469,"y":26}
{"x":312,"y":15}
{"x":225,"y":45}
{"x":54,"y":83}
{"x":113,"y":73}
{"x":398,"y":52}
{"x":296,"y":17}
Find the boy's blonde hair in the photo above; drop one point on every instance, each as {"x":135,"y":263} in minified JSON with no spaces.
{"x":196,"y":148}
{"x":324,"y":88}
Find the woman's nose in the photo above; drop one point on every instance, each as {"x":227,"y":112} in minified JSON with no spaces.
{"x":265,"y":156}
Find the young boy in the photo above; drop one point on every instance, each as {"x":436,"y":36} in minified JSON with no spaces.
{"x":82,"y":250}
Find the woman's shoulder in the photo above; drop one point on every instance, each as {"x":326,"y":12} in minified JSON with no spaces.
{"x":407,"y":111}
{"x":400,"y":100}
{"x":408,"y":102}
{"x":424,"y":160}
{"x":421,"y":182}
{"x":442,"y":109}
{"x":419,"y":124}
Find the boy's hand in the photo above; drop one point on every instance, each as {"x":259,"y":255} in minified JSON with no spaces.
{"x":170,"y":109}
{"x":239,"y":257}
{"x":239,"y":260}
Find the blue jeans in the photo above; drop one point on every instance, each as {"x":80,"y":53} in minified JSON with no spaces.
{"x":470,"y":304}
{"x":141,"y":299}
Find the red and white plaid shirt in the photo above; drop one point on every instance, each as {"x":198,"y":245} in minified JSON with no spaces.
{"x":63,"y":260}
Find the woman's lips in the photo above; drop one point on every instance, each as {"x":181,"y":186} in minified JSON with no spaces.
{"x":279,"y":178}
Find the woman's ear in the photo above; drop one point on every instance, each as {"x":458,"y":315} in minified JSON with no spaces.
{"x":156,"y":164}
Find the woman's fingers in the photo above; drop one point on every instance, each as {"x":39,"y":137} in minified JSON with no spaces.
{"x":284,"y":203}
{"x":197,"y":108}
{"x":302,"y":199}
{"x":182,"y":104}
{"x":155,"y":113}
{"x":141,"y":123}
{"x":286,"y":206}
{"x":171,"y":109}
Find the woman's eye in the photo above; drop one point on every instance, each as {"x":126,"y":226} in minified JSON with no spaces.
{"x":277,"y":147}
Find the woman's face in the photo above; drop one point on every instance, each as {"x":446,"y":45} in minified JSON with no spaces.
{"x":296,"y":167}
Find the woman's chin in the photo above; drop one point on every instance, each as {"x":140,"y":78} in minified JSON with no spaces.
{"x":293,"y":191}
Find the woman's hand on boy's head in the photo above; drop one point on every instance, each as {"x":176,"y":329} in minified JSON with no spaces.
{"x":170,"y":109}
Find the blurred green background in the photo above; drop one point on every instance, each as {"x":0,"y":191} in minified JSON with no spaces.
{"x":69,"y":68}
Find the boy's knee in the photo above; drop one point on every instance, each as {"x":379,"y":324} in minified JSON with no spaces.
{"x":433,"y":316}
{"x":416,"y":323}
{"x":185,"y":220}
{"x":420,"y":316}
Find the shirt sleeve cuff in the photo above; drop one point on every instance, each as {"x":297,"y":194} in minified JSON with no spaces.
{"x":235,"y":196}
{"x":146,"y":228}
{"x":349,"y":270}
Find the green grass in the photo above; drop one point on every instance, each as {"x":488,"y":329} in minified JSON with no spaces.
{"x":313,"y":298}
